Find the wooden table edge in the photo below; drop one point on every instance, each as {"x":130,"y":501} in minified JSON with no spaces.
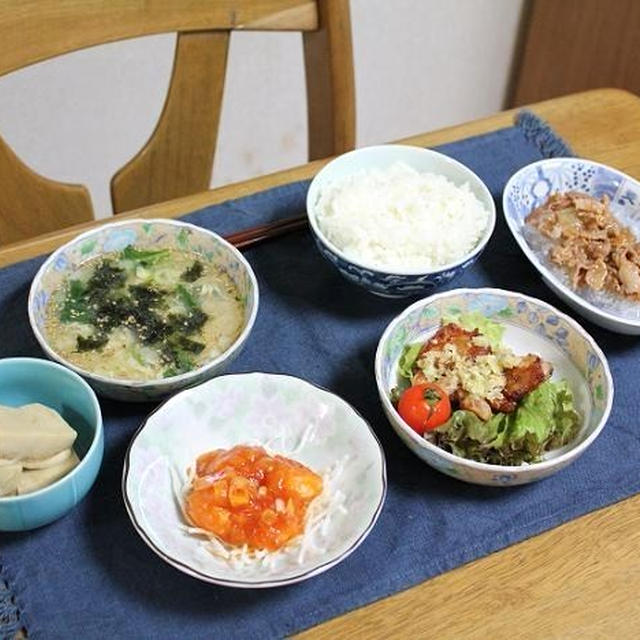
{"x":23,"y":250}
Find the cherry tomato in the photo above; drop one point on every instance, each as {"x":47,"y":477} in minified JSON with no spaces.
{"x":424,"y":407}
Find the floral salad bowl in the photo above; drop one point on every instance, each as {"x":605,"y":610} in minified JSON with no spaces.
{"x":531,"y":186}
{"x":531,"y":326}
{"x":145,"y":234}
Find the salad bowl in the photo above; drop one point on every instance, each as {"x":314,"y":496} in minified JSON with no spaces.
{"x":531,"y":326}
{"x":531,"y":186}
{"x":284,"y":414}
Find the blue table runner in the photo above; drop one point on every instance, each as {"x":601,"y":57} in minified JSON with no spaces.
{"x":89,"y":575}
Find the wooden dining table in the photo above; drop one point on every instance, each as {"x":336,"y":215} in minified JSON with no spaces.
{"x":579,"y":580}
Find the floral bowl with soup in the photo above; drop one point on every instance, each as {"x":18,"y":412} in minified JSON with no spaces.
{"x":143,"y":308}
{"x":399,"y":220}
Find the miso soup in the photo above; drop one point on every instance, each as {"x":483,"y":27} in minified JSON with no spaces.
{"x":144,"y":314}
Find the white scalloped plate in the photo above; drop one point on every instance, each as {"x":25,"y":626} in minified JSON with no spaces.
{"x":289,"y":415}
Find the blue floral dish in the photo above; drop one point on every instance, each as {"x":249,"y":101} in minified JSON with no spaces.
{"x":531,"y":326}
{"x":145,"y":234}
{"x":397,"y":284}
{"x":531,"y":186}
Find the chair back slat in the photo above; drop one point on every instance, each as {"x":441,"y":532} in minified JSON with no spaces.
{"x":34,"y":30}
{"x":331,"y":103}
{"x":178,"y":157}
{"x":31,"y":205}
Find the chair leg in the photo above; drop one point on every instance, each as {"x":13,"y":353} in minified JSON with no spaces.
{"x":328,"y":55}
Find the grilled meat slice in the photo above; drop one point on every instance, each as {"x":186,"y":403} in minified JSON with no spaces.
{"x":528,"y":375}
{"x":472,"y":402}
{"x":592,"y":246}
{"x":529,"y":372}
{"x":463,"y":342}
{"x":461,"y":338}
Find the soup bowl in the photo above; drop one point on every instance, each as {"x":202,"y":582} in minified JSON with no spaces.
{"x":144,"y":234}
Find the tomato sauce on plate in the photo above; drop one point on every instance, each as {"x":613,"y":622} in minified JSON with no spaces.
{"x":245,"y":496}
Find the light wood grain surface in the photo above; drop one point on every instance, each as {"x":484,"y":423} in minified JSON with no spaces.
{"x":331,"y":92}
{"x":178,"y":157}
{"x":34,"y":30}
{"x":44,"y":205}
{"x":580,"y":580}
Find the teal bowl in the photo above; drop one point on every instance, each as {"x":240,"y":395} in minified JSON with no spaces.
{"x":27,"y":380}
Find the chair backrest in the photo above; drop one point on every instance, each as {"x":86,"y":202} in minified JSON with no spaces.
{"x":178,"y":157}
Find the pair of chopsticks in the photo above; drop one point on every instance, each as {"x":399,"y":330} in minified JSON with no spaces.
{"x":255,"y":235}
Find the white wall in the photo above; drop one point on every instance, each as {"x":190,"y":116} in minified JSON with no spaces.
{"x":420,"y":65}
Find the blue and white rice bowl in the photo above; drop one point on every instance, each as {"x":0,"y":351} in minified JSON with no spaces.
{"x":381,"y":281}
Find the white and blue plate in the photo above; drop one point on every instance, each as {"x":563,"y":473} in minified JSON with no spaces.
{"x":531,"y":326}
{"x":531,"y":186}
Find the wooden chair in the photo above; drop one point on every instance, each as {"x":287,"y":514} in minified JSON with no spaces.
{"x":178,"y":157}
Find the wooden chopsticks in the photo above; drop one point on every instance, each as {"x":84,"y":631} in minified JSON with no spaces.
{"x":255,"y":235}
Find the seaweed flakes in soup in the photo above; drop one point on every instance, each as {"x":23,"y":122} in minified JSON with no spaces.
{"x":144,"y":314}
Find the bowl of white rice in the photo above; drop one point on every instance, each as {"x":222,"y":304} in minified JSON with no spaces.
{"x":399,"y":220}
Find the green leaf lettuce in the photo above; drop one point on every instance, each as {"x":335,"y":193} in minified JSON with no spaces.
{"x":545,"y":419}
{"x":407,"y":360}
